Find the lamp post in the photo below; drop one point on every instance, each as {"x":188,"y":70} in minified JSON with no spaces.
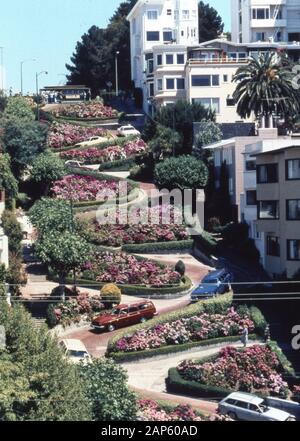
{"x":117,"y":73}
{"x":2,"y":68}
{"x":38,"y":92}
{"x":21,"y":64}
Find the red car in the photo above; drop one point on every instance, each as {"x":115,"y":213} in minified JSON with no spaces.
{"x":125,"y":315}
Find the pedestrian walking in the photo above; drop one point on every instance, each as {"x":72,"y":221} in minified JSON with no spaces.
{"x":245,"y":336}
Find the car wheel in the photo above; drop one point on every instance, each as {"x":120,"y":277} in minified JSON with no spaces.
{"x":233,"y":416}
{"x":143,"y":320}
{"x":111,"y":328}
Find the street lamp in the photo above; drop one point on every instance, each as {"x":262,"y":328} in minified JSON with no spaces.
{"x":2,"y":69}
{"x":117,"y":74}
{"x":38,"y":92}
{"x":21,"y":64}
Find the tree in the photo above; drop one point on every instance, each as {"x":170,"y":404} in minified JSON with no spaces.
{"x":165,"y":143}
{"x":46,"y":386}
{"x":209,"y":132}
{"x":265,"y":87}
{"x":108,"y":392}
{"x":7,"y":179}
{"x":184,"y":172}
{"x":19,"y":108}
{"x":52,"y":215}
{"x":13,"y":231}
{"x":46,"y":169}
{"x":93,"y":62}
{"x":220,"y":205}
{"x":23,"y":141}
{"x":180,"y":118}
{"x":211,"y":25}
{"x":63,"y":252}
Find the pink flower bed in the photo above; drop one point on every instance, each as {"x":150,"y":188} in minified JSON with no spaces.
{"x":122,"y":268}
{"x":91,"y":109}
{"x":255,"y":369}
{"x":64,"y":135}
{"x":109,"y":154}
{"x":83,"y":188}
{"x":198,"y":328}
{"x":155,"y":229}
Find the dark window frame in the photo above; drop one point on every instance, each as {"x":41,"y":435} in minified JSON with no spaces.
{"x":287,"y":169}
{"x":275,"y":243}
{"x":157,"y":33}
{"x":289,"y":259}
{"x":248,"y":199}
{"x":268,"y":218}
{"x":288,"y":218}
{"x":269,"y":181}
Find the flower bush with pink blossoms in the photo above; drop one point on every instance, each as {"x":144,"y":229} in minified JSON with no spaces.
{"x":157,"y":228}
{"x":84,"y":188}
{"x":92,"y":109}
{"x":255,"y":369}
{"x":122,"y":268}
{"x":64,"y":135}
{"x":197,"y":328}
{"x":109,"y":154}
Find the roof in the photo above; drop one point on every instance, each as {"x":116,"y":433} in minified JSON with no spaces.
{"x":132,"y":305}
{"x":245,"y":397}
{"x":66,"y":87}
{"x":74,"y":345}
{"x":276,"y":146}
{"x":223,"y":143}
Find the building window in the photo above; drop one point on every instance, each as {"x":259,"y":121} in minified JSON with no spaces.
{"x":213,"y":103}
{"x":152,"y":36}
{"x":159,"y":84}
{"x":169,"y":11}
{"x":152,"y":15}
{"x":293,"y":169}
{"x":176,"y":14}
{"x":170,"y":83}
{"x":260,"y":36}
{"x":180,"y":83}
{"x":250,"y":165}
{"x":230,"y":102}
{"x":251,"y":197}
{"x":293,"y":209}
{"x":293,"y":249}
{"x":225,"y":78}
{"x":180,"y":58}
{"x":273,"y":246}
{"x":294,"y":36}
{"x":205,"y":80}
{"x":151,"y":90}
{"x":159,"y":60}
{"x":261,"y":13}
{"x":268,"y":210}
{"x":170,"y":59}
{"x":185,"y":14}
{"x":150,"y":66}
{"x":168,"y":36}
{"x":267,"y":174}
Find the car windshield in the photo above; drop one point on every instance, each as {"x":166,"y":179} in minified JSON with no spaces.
{"x":264,"y":406}
{"x":115,"y":312}
{"x":77,"y":354}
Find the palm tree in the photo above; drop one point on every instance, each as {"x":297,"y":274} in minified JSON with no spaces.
{"x":265,"y":87}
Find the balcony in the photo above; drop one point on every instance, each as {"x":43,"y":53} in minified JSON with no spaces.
{"x":268,"y":23}
{"x":221,"y":60}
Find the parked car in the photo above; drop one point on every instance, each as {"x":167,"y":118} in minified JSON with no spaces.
{"x":128,"y":130}
{"x":215,"y":283}
{"x":94,"y":140}
{"x":125,"y":315}
{"x":247,"y":407}
{"x":75,"y":351}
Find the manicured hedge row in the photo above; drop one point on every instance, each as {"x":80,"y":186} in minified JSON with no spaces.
{"x":213,"y":306}
{"x":100,"y":146}
{"x":158,"y":246}
{"x":120,"y":165}
{"x":72,"y":119}
{"x":124,"y":357}
{"x":134,"y":194}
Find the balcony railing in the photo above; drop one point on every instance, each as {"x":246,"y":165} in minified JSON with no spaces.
{"x":221,"y":60}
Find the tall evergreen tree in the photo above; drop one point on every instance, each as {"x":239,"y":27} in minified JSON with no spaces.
{"x":210,"y":23}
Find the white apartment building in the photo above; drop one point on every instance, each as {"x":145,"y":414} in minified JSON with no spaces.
{"x":170,"y":24}
{"x":265,"y":21}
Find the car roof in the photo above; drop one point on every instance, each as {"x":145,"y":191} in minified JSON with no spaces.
{"x":253,"y":399}
{"x":215,"y":274}
{"x":74,"y":345}
{"x":132,"y":305}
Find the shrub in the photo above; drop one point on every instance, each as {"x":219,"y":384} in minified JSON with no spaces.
{"x":111,"y":294}
{"x":213,"y":223}
{"x":184,"y":172}
{"x":13,"y":230}
{"x":51,"y":316}
{"x":259,"y":320}
{"x":16,"y":275}
{"x":180,"y":268}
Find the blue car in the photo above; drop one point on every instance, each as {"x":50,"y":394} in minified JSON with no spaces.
{"x":215,"y":283}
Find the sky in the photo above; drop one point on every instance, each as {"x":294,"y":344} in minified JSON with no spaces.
{"x":48,"y":30}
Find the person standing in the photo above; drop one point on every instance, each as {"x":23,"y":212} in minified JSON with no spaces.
{"x":245,"y":336}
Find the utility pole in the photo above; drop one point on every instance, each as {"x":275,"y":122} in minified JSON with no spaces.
{"x":117,"y":73}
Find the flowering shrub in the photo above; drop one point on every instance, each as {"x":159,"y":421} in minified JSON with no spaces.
{"x":74,"y":310}
{"x":155,"y":229}
{"x":84,"y":188}
{"x":63,"y":135}
{"x":255,"y":369}
{"x":203,"y":327}
{"x":87,"y":110}
{"x":122,"y":268}
{"x":109,"y":154}
{"x":111,"y":294}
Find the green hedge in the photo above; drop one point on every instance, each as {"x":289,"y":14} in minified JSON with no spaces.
{"x":158,"y":246}
{"x":123,"y":357}
{"x":217,"y":305}
{"x":100,"y":146}
{"x":92,"y":204}
{"x":120,"y":165}
{"x":207,"y":243}
{"x":74,"y":120}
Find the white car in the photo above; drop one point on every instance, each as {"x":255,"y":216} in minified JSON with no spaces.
{"x":128,"y":130}
{"x":247,"y":407}
{"x":73,"y":164}
{"x":94,"y":140}
{"x":75,"y":351}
